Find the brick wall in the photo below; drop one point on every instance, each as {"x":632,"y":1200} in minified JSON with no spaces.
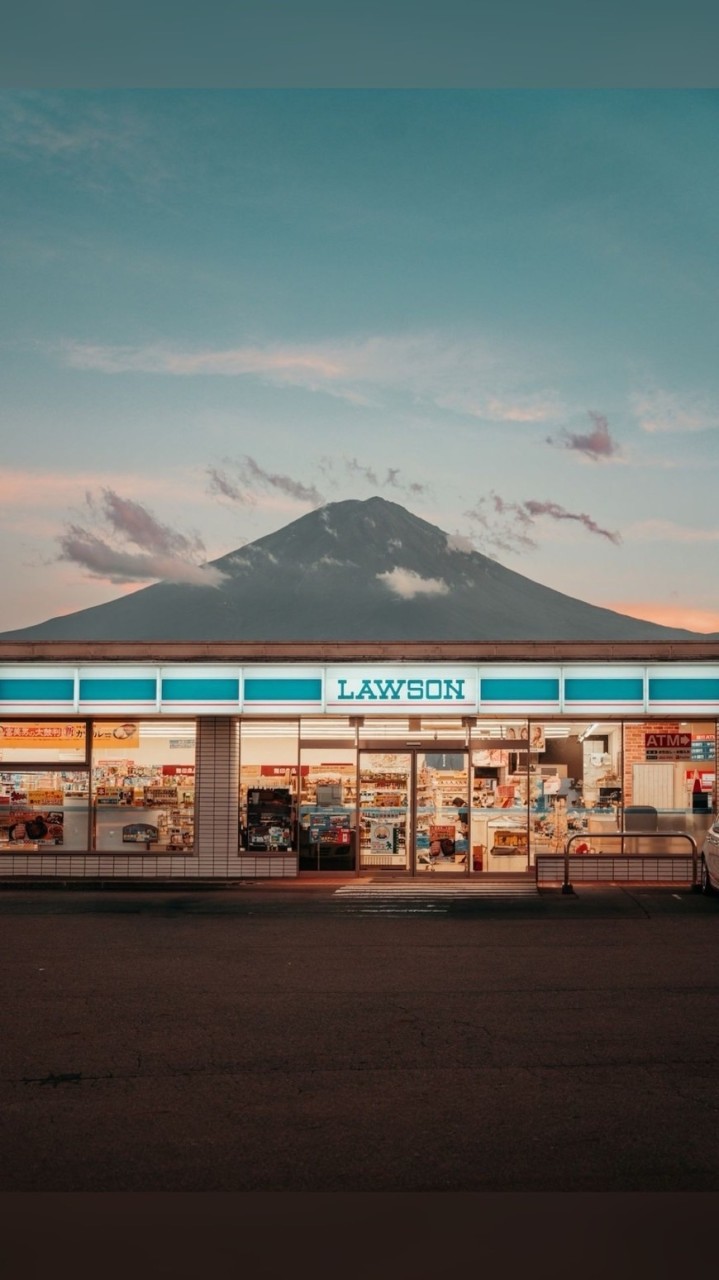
{"x":634,"y":747}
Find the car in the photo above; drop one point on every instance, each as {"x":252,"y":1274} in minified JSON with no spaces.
{"x":709,"y":863}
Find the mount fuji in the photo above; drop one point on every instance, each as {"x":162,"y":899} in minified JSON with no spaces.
{"x":352,"y":571}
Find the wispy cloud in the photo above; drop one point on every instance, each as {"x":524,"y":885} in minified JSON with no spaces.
{"x":542,"y":407}
{"x":390,"y":478}
{"x":596,"y":444}
{"x":500,"y":525}
{"x":662,"y":411}
{"x":466,"y":374}
{"x":555,"y":512}
{"x":133,"y":546}
{"x":512,"y":526}
{"x":96,"y":146}
{"x":241,"y":480}
{"x":30,"y":122}
{"x":223,"y":486}
{"x":407,"y":584}
{"x":133,"y":521}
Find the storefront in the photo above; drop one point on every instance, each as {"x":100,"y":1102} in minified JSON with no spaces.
{"x":371,"y":767}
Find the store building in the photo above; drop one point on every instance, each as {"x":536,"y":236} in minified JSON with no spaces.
{"x":220,"y":761}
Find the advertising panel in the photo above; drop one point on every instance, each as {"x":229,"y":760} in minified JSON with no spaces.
{"x":23,"y":828}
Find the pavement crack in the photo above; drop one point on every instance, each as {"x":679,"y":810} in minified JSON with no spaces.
{"x":633,"y":898}
{"x":56,"y":1078}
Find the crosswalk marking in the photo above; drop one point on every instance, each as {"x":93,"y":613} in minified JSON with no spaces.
{"x":414,"y":893}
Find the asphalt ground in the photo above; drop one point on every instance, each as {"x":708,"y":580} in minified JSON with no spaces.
{"x":275,"y":1039}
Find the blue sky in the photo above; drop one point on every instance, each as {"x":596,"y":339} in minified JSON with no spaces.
{"x":222,"y":308}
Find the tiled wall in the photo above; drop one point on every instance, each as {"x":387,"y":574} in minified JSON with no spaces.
{"x":216,"y":795}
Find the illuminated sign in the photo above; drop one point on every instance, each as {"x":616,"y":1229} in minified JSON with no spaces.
{"x":401,"y":689}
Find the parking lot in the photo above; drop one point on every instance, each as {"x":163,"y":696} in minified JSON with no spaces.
{"x":272,"y":1039}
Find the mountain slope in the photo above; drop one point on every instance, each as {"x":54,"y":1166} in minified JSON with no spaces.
{"x":321,"y":578}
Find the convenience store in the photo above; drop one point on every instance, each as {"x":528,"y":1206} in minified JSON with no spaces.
{"x":224,"y":762}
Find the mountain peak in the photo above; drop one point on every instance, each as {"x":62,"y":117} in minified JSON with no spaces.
{"x":353,"y":570}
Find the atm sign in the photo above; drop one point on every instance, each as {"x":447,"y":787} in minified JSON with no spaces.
{"x":680,"y":743}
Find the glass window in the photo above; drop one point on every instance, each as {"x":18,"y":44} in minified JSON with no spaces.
{"x":670,"y":775}
{"x":500,"y":753}
{"x":143,"y":787}
{"x":269,"y":752}
{"x":44,"y":810}
{"x":575,"y":785}
{"x":328,"y":796}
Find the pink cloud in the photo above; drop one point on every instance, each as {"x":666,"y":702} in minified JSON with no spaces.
{"x":596,"y":444}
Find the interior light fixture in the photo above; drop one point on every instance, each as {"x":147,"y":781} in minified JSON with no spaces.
{"x":588,"y":732}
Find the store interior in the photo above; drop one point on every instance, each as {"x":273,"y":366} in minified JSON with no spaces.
{"x":136,"y":796}
{"x":413,"y":796}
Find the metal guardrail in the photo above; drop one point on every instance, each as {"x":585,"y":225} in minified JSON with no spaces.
{"x":644,"y":835}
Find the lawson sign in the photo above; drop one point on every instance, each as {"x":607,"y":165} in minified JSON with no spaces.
{"x":399,"y":690}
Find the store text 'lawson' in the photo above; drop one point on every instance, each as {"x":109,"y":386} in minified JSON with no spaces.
{"x":432,"y":689}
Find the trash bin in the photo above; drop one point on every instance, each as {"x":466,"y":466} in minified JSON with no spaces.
{"x":641,"y":817}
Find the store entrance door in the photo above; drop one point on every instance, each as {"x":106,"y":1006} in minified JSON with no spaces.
{"x":441,"y":825}
{"x":413,"y":808}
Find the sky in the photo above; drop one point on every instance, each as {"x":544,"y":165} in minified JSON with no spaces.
{"x":222,"y":309}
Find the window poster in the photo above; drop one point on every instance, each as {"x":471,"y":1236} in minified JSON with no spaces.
{"x":23,"y":828}
{"x":382,"y":836}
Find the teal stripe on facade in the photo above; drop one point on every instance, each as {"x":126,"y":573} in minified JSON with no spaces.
{"x":194,"y":690}
{"x":20,"y":690}
{"x":291,"y":690}
{"x":624,"y":689}
{"x":683,"y":690}
{"x":531,"y":690}
{"x":92,"y":690}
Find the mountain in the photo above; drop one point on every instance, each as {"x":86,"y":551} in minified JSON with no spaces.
{"x":347,"y":572}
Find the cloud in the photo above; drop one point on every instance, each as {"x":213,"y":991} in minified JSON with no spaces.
{"x":160,"y":552}
{"x":502,"y":526}
{"x":555,"y":512}
{"x":596,"y":444}
{"x":100,"y":147}
{"x":466,"y":374}
{"x":542,"y":407}
{"x":393,"y":477}
{"x":34,"y":123}
{"x":252,"y":476}
{"x":365,"y":473}
{"x":84,"y":548}
{"x":407,"y":584}
{"x":459,"y":542}
{"x":133,"y":521}
{"x":224,"y":487}
{"x":284,"y":484}
{"x":511,"y":526}
{"x":661,"y":411}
